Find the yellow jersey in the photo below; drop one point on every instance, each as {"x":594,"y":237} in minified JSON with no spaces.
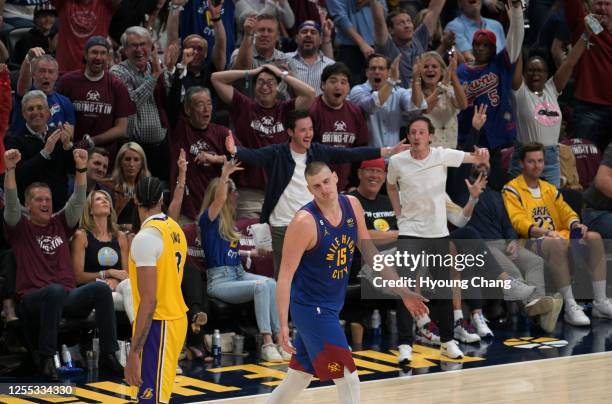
{"x":170,"y":265}
{"x":549,"y":211}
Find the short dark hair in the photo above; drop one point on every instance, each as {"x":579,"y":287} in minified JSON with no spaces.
{"x":530,"y":147}
{"x":336,"y":68}
{"x":314,"y":168}
{"x":97,"y":150}
{"x":269,"y":71}
{"x":149,"y":191}
{"x":294,"y":116}
{"x":378,"y":55}
{"x":423,"y":118}
{"x":395,"y":13}
{"x":34,"y":185}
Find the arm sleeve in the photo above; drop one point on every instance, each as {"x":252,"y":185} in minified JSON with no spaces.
{"x":366,"y":100}
{"x":256,"y":157}
{"x":74,"y":206}
{"x":516,"y":34}
{"x":406,"y":104}
{"x":350,"y":155}
{"x":519,"y":218}
{"x":339,"y":11}
{"x":568,"y":216}
{"x":147,"y":247}
{"x":452,"y":157}
{"x":12,"y":210}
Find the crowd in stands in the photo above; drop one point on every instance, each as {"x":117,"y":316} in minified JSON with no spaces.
{"x":489,"y":123}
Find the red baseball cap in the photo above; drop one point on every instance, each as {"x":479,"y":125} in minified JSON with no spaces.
{"x":376,"y":163}
{"x":486,"y":35}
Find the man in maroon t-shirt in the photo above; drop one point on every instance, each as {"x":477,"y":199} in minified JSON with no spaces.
{"x":336,"y":121}
{"x":259,"y":122}
{"x":101,"y":101}
{"x":78,"y":21}
{"x":45,"y":280}
{"x":204,"y":143}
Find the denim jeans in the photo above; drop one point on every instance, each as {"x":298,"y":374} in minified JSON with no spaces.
{"x":234,"y":285}
{"x":552,"y":167}
{"x":599,"y":221}
{"x":593,"y":122}
{"x":43,"y":309}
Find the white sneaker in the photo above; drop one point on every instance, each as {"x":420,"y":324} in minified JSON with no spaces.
{"x":405,"y":355}
{"x":602,"y":309}
{"x":464,"y":332}
{"x":480,"y":323}
{"x":450,"y":350}
{"x":269,"y":353}
{"x":286,"y":356}
{"x":574,"y":315}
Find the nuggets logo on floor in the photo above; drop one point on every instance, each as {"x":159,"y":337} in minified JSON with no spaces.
{"x":533,"y":343}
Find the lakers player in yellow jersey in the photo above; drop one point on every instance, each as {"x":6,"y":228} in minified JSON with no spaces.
{"x":157,"y":259}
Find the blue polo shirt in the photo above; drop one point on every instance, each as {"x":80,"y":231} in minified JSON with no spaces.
{"x":60,"y":107}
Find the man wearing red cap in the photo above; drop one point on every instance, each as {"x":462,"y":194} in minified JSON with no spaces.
{"x":488,"y":80}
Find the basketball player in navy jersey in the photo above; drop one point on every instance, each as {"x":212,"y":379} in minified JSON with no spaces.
{"x":314,"y":273}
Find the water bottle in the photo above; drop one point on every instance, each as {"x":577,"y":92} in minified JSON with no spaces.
{"x":392,"y":322}
{"x":66,"y":357}
{"x":216,"y":344}
{"x":56,"y":360}
{"x":375,"y":323}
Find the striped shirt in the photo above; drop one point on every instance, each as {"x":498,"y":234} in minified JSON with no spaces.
{"x":145,"y":126}
{"x":309,"y":74}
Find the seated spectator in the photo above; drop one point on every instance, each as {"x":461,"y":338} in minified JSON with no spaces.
{"x":588,"y":157}
{"x":259,"y":122}
{"x":537,"y":211}
{"x":97,"y":168}
{"x":598,"y":213}
{"x":537,"y":111}
{"x":45,"y":280}
{"x":314,"y":52}
{"x":444,"y":94}
{"x":396,"y":35}
{"x":101,"y":101}
{"x":41,"y":35}
{"x":100,"y":251}
{"x":45,"y":153}
{"x":79,"y":21}
{"x":384,"y":101}
{"x":130,"y":167}
{"x":227,"y":279}
{"x":469,"y":22}
{"x":39,"y":71}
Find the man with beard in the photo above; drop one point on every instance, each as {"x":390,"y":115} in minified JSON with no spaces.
{"x":101,"y":101}
{"x":468,"y":22}
{"x":338,"y":122}
{"x":397,"y":36}
{"x":39,"y":71}
{"x":314,"y":52}
{"x":383,"y":101}
{"x":97,"y":168}
{"x":259,"y":122}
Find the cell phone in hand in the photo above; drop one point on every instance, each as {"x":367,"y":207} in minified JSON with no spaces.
{"x":593,"y":24}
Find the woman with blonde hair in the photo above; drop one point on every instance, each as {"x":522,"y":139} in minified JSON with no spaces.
{"x":227,"y":279}
{"x":130,"y":167}
{"x":100,"y":251}
{"x":444,"y":94}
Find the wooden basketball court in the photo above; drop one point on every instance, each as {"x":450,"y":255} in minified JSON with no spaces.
{"x":573,"y":380}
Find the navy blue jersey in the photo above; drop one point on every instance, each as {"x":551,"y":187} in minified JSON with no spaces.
{"x":490,"y":85}
{"x":323,"y":273}
{"x":219,"y":252}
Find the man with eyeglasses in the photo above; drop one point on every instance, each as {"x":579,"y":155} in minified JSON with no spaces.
{"x":259,"y":122}
{"x":140,"y":72}
{"x":383,"y":101}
